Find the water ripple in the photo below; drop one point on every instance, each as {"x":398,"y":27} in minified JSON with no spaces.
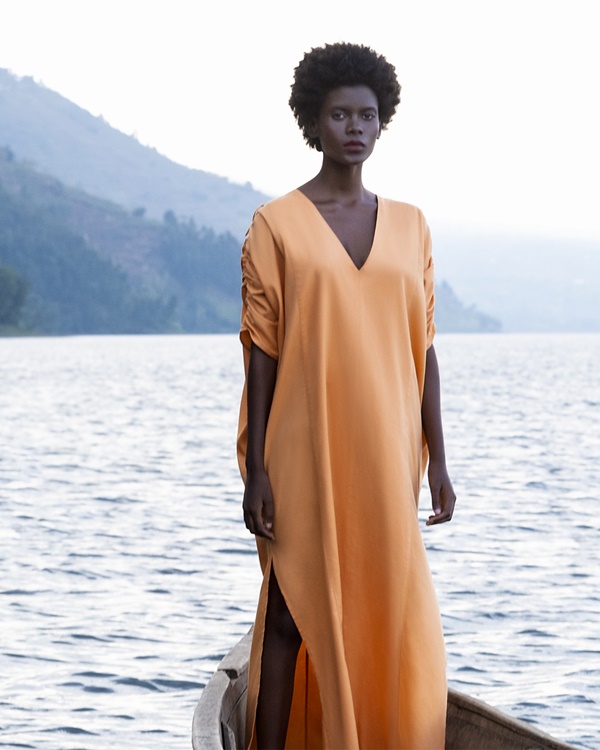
{"x":127,"y":572}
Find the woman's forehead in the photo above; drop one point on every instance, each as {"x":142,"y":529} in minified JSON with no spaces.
{"x":358,"y":95}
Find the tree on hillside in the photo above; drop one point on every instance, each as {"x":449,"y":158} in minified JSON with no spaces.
{"x":453,"y":316}
{"x":205,"y":268}
{"x":72,"y":289}
{"x":13,"y":293}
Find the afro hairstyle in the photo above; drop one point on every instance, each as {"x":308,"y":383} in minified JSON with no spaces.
{"x":342,"y":64}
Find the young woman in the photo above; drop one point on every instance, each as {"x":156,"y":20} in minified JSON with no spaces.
{"x":341,"y":403}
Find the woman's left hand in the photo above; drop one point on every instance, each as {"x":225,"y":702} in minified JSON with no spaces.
{"x":443,"y":497}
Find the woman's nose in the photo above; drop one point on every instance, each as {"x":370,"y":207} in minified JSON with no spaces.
{"x":354,"y":125}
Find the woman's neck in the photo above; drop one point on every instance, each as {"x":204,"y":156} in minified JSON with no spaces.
{"x":336,"y":183}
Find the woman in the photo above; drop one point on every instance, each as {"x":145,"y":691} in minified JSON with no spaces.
{"x":340,"y":405}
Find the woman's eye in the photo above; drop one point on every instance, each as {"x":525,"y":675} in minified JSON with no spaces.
{"x":369,"y":115}
{"x":338,"y":115}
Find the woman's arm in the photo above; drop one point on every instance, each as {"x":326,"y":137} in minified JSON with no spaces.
{"x":258,"y":500}
{"x":442,"y":493}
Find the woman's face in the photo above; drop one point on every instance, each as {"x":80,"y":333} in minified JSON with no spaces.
{"x":348,"y":125}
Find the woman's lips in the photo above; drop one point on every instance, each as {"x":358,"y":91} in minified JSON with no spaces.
{"x":354,"y":145}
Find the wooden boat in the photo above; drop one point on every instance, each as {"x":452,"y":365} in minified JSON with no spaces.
{"x":219,"y":718}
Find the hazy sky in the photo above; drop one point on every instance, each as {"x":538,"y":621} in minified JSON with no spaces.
{"x":498,"y":125}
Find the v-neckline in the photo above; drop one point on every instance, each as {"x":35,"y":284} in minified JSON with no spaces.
{"x":339,"y":242}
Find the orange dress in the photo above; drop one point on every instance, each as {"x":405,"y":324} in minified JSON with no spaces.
{"x":345,"y":457}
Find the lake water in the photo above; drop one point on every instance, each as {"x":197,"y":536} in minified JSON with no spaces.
{"x":127,"y":573}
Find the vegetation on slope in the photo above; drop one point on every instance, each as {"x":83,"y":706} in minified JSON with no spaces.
{"x":71,"y":288}
{"x":92,"y":267}
{"x":13,"y":293}
{"x":84,"y":151}
{"x":454,"y":317}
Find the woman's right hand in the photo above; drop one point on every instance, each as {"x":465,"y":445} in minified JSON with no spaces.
{"x":258,"y":504}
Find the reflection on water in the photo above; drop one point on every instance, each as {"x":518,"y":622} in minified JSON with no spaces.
{"x":127,"y":573}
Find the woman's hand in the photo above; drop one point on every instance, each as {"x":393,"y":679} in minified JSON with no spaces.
{"x":258,"y":499}
{"x":258,"y":504}
{"x":443,"y":497}
{"x":442,"y":493}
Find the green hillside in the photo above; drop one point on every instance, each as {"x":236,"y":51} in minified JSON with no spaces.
{"x":54,"y":282}
{"x":529,"y":284}
{"x":100,"y":234}
{"x":452,"y":316}
{"x":83,"y":151}
{"x":80,"y":264}
{"x":89,"y":266}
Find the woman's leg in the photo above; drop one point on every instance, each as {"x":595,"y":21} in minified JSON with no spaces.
{"x":280,"y":649}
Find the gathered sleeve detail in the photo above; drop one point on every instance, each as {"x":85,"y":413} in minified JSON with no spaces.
{"x":429,"y":287}
{"x":262,"y":289}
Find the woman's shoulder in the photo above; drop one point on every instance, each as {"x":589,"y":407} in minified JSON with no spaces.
{"x":400,"y":208}
{"x":405,"y":220}
{"x":277,"y":219}
{"x":281,"y":216}
{"x":279,"y":207}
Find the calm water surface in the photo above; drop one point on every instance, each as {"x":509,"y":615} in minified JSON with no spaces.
{"x":126,"y":572}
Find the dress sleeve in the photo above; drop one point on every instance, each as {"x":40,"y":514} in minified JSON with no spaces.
{"x":428,"y":283}
{"x":262,"y":289}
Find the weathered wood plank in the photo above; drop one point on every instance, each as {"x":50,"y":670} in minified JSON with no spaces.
{"x":219,"y":718}
{"x":473,"y":725}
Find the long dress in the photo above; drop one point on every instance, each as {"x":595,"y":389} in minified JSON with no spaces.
{"x":345,"y":457}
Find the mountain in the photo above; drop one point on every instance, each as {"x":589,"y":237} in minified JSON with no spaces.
{"x":452,"y":316}
{"x":115,"y":220}
{"x":83,"y":151}
{"x":529,"y":283}
{"x":52,"y":281}
{"x":90,"y":266}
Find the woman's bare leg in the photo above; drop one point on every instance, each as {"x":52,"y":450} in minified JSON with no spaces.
{"x":280,"y":649}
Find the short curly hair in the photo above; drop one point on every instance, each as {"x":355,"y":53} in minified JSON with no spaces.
{"x":341,"y":64}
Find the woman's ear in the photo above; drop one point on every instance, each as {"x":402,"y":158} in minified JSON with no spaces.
{"x":313,"y":129}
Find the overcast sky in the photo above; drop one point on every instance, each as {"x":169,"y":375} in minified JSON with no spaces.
{"x":498,"y":125}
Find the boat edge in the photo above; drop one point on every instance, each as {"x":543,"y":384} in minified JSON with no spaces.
{"x":218,"y":717}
